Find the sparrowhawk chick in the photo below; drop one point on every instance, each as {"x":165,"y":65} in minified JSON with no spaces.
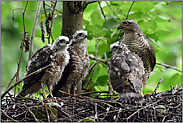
{"x":78,"y":66}
{"x":125,"y":69}
{"x":137,"y":42}
{"x":56,"y":56}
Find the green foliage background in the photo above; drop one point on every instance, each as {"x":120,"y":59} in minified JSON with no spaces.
{"x":161,"y":21}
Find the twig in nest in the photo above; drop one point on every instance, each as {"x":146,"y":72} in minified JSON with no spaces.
{"x":92,"y":92}
{"x":31,"y":113}
{"x":130,"y":9}
{"x":168,"y":66}
{"x":157,"y":86}
{"x":143,"y":108}
{"x":37,"y":71}
{"x":96,"y":113}
{"x":8,"y":116}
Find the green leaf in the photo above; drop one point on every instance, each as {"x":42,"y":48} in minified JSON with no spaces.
{"x":110,"y":23}
{"x":102,"y":80}
{"x":96,"y":18}
{"x":177,"y":77}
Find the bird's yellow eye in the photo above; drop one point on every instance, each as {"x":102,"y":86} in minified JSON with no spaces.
{"x":125,"y":23}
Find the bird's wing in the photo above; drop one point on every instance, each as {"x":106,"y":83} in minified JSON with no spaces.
{"x":152,"y":57}
{"x":39,"y":59}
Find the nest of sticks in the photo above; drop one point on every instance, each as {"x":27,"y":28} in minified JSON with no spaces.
{"x":157,"y":107}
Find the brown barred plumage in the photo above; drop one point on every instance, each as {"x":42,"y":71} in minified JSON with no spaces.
{"x":137,"y":42}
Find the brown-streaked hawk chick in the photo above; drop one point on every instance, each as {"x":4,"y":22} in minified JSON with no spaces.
{"x":125,"y":70}
{"x":137,"y":42}
{"x":78,"y":66}
{"x":57,"y":56}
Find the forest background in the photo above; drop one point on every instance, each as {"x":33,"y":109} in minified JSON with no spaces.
{"x":161,"y":22}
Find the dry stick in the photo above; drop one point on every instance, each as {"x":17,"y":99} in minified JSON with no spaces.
{"x":31,"y":113}
{"x":142,"y":109}
{"x":112,"y":10}
{"x":21,"y":49}
{"x":168,"y":66}
{"x":118,"y":115}
{"x":37,"y":71}
{"x":48,"y":116}
{"x":8,"y":116}
{"x":52,"y":21}
{"x":101,"y":9}
{"x":91,"y":77}
{"x":33,"y":30}
{"x":92,"y":92}
{"x":130,"y":9}
{"x":96,"y":113}
{"x":157,"y":86}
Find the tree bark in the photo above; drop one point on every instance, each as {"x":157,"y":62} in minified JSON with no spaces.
{"x":72,"y":20}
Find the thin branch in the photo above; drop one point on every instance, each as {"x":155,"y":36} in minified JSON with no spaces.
{"x":44,"y":9}
{"x":97,"y":59}
{"x":112,"y":10}
{"x":101,"y":10}
{"x":37,"y":71}
{"x":95,"y":39}
{"x":21,"y":49}
{"x":168,"y":66}
{"x":52,"y":7}
{"x":157,"y":86}
{"x":33,"y":30}
{"x":91,"y":77}
{"x":130,"y":9}
{"x":52,"y":21}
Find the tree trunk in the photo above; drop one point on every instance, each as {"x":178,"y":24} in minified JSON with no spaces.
{"x":72,"y":20}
